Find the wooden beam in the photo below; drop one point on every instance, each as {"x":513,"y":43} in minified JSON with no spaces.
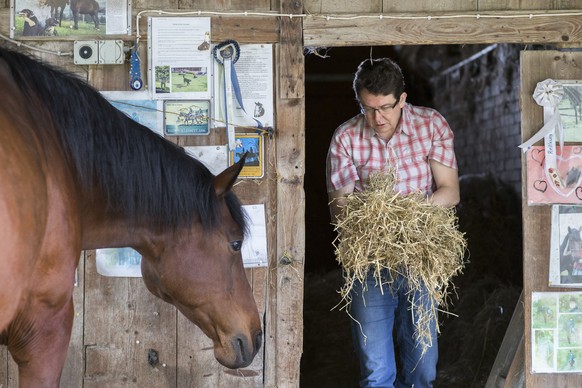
{"x":441,"y":29}
{"x":284,"y":336}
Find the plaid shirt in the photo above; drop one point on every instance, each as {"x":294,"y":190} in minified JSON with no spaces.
{"x":422,"y":134}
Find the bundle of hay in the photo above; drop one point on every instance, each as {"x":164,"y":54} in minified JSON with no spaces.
{"x":379,"y":229}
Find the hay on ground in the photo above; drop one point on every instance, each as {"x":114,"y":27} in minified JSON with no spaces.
{"x":379,"y":229}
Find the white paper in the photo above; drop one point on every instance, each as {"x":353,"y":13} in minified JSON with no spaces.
{"x":179,"y":57}
{"x":254,"y":70}
{"x":117,"y":20}
{"x":214,"y":157}
{"x":139,"y":107}
{"x":254,"y":249}
{"x":118,"y":262}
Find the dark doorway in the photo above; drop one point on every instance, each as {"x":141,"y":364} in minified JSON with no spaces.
{"x":328,"y":358}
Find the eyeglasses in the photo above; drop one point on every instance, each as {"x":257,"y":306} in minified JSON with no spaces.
{"x":384,"y":109}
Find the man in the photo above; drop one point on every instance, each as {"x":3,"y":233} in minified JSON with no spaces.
{"x":417,"y":143}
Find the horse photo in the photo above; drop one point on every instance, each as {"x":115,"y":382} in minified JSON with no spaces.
{"x":77,"y":174}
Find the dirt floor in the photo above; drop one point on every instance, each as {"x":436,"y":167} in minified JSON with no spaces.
{"x":486,"y":295}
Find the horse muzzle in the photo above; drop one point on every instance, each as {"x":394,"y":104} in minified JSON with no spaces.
{"x":242,"y":351}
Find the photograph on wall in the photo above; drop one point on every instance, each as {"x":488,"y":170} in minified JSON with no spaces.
{"x":570,"y":108}
{"x":556,"y":319}
{"x":566,"y":246}
{"x":61,"y":18}
{"x":252,"y":145}
{"x":139,"y":107}
{"x":254,"y":73}
{"x":118,"y":262}
{"x":559,"y":185}
{"x":180,"y":57}
{"x":186,"y":117}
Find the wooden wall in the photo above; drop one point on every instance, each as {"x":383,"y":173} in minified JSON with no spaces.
{"x":118,"y":322}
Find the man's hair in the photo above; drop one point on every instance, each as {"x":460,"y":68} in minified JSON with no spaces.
{"x":380,"y":76}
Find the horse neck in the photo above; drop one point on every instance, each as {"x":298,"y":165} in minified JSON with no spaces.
{"x":102,"y":228}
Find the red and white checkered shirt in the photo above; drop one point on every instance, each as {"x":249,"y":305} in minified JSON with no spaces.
{"x":422,"y":134}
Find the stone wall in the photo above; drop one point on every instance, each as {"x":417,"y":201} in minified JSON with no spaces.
{"x":480,"y":100}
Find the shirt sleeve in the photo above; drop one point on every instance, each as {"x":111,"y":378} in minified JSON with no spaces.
{"x":340,"y":169}
{"x":442,"y":150}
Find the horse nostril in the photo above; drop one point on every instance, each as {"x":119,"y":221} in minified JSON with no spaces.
{"x":258,"y":340}
{"x":241,"y":348}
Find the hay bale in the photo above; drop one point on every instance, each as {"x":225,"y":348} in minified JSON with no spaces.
{"x":380,"y":229}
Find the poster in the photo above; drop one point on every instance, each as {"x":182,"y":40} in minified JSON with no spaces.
{"x":254,"y":69}
{"x":566,"y":246}
{"x":564,"y":187}
{"x":55,"y":18}
{"x":179,"y":57}
{"x":139,"y":107}
{"x":186,"y":117}
{"x":252,"y":145}
{"x":556,"y":332}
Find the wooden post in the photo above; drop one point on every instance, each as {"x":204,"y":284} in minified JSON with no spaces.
{"x":285,"y":293}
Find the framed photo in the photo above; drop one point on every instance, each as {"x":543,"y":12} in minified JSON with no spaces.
{"x":571,"y":110}
{"x":556,"y":319}
{"x":55,"y":18}
{"x":252,"y":144}
{"x":566,"y":246}
{"x":542,"y":189}
{"x":186,"y":117}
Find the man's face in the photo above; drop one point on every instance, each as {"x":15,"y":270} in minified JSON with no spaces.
{"x":382,"y":112}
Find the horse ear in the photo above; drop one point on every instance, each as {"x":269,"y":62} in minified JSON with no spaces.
{"x":223,"y":182}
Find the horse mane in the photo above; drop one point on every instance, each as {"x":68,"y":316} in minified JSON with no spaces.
{"x":141,"y":175}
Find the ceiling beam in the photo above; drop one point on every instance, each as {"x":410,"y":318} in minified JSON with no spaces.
{"x":398,"y":29}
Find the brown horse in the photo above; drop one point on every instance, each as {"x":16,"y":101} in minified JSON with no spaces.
{"x":75,"y":173}
{"x":85,"y":7}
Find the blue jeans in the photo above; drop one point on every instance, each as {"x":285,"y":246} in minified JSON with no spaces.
{"x":377,"y":315}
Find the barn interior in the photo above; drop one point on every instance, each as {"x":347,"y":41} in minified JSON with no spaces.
{"x":476,"y":88}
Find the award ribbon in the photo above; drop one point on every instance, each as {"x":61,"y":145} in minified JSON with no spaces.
{"x":548,"y":94}
{"x":227,"y":54}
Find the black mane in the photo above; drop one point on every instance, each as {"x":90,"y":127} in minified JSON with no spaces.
{"x":142,"y":175}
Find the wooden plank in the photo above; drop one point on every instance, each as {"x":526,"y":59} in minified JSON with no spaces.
{"x":509,"y":349}
{"x":390,"y":6}
{"x":197,"y":366}
{"x":291,"y":69}
{"x":225,"y":5}
{"x":320,"y":32}
{"x":249,"y":29}
{"x":342,"y":6}
{"x":515,"y":377}
{"x":123,"y":323}
{"x":537,"y":66}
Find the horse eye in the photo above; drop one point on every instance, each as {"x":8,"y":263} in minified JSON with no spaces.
{"x":236,"y":245}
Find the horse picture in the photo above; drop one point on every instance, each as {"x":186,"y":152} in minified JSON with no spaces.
{"x":571,"y":254}
{"x":57,"y":9}
{"x":85,"y":7}
{"x":77,"y":174}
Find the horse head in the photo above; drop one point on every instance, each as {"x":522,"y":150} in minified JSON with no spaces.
{"x":201,"y":273}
